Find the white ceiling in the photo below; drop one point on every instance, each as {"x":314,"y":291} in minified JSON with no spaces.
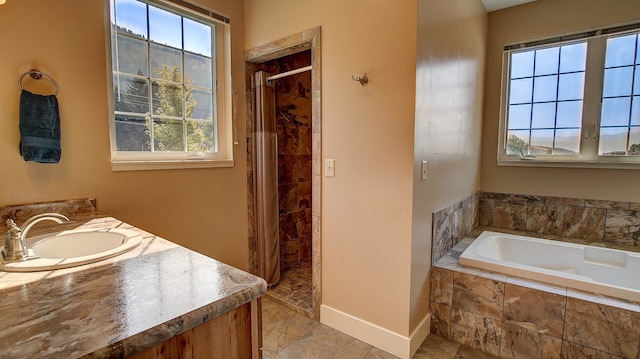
{"x":493,"y":5}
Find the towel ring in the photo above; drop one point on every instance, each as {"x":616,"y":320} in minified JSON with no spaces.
{"x":37,"y":75}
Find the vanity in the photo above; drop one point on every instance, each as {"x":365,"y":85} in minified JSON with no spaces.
{"x":157,"y":300}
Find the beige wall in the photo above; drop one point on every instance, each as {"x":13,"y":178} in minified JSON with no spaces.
{"x":204,"y":209}
{"x":448,"y":122}
{"x":534,"y":20}
{"x":366,"y":207}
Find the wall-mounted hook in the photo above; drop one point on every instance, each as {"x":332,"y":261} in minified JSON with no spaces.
{"x":364,"y":80}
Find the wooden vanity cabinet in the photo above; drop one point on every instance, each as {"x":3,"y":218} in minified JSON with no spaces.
{"x":235,"y":334}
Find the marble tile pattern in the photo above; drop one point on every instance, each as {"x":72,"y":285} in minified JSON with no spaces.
{"x":476,"y":331}
{"x":517,"y":342}
{"x":294,"y":133}
{"x":441,"y":285}
{"x":314,"y":36}
{"x":295,"y":289}
{"x":575,"y":351}
{"x":293,"y":125}
{"x":70,"y":208}
{"x":602,"y":327}
{"x":511,"y":317}
{"x":451,"y":224}
{"x":535,"y":310}
{"x":289,"y":334}
{"x":118,"y":306}
{"x":571,"y":219}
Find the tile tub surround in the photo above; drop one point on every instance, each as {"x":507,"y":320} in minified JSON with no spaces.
{"x":512,"y":317}
{"x":452,"y":223}
{"x":119,"y":306}
{"x":611,"y":222}
{"x":594,"y":222}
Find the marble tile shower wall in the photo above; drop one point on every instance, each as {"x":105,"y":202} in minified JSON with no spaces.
{"x":255,"y":58}
{"x":293,"y":126}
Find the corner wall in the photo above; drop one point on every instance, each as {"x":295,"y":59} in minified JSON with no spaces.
{"x":376,"y":225}
{"x":533,"y":20}
{"x":368,"y":130}
{"x":203,"y":209}
{"x":449,"y":96}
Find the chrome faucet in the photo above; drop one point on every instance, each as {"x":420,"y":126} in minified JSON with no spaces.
{"x":15,"y":247}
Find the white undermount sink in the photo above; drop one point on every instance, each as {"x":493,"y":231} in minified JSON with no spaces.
{"x":73,"y":248}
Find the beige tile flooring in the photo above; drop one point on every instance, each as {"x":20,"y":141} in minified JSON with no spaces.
{"x":288,"y":334}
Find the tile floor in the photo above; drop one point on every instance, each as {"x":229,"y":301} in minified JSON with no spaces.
{"x":288,"y":334}
{"x":295,"y":289}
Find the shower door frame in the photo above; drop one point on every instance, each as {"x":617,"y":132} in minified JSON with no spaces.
{"x":305,"y":40}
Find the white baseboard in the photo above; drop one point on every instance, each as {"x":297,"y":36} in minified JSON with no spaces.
{"x":420,"y":334}
{"x":377,"y":336}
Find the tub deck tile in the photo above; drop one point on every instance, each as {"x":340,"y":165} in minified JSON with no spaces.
{"x":602,"y":327}
{"x":596,"y":326}
{"x":441,"y":285}
{"x":441,"y":319}
{"x":477,"y":295}
{"x":576,"y":351}
{"x":534,"y":310}
{"x":540,"y":286}
{"x":485,"y":274}
{"x":476,"y":331}
{"x":517,"y":342}
{"x":604,"y":300}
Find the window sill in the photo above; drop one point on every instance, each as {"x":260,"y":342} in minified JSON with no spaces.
{"x":117,"y":166}
{"x":570,"y":164}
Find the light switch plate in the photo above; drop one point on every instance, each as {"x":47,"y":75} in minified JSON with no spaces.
{"x":329,"y":168}
{"x":423,"y":176}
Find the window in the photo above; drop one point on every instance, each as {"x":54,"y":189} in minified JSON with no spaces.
{"x":620,"y":115}
{"x":169,"y":83}
{"x":573,"y":101}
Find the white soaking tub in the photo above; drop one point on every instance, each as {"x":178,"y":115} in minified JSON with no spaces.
{"x":595,"y":269}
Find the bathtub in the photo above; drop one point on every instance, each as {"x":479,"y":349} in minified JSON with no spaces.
{"x":600,"y":270}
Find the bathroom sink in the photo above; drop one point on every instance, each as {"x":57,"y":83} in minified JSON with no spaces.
{"x":73,"y":248}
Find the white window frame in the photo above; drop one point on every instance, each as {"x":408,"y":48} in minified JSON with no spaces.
{"x":223,"y":156}
{"x":590,"y":129}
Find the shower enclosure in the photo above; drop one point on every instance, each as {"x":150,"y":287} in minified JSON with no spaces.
{"x":282,"y":179}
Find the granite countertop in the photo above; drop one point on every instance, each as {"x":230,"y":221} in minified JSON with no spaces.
{"x":118,"y":306}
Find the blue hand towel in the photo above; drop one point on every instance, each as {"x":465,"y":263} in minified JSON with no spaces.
{"x":39,"y":128}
